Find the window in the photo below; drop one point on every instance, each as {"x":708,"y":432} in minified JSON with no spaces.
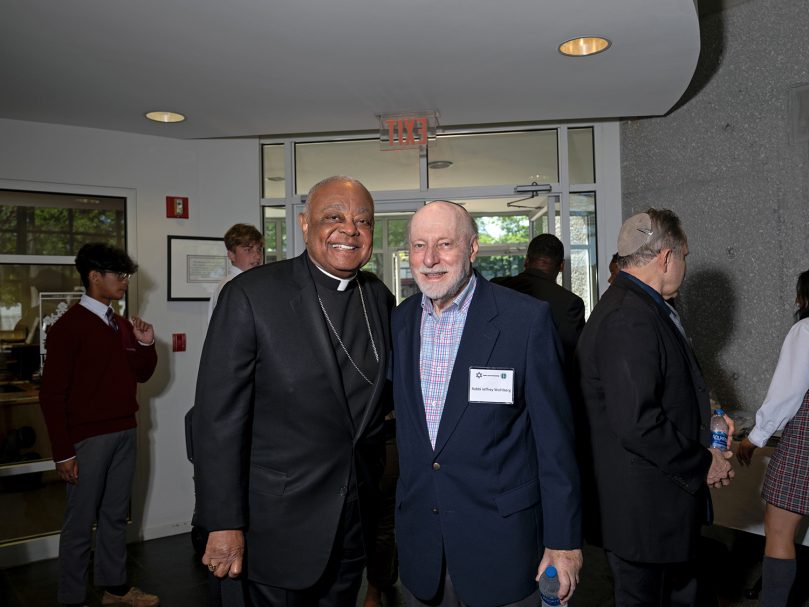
{"x":35,"y":223}
{"x":493,"y":159}
{"x":362,"y":160}
{"x":581,"y":162}
{"x":273,"y":170}
{"x":49,"y":228}
{"x":480,"y":170}
{"x":275,"y":233}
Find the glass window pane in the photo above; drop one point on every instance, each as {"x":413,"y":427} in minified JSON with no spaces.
{"x":581,"y":165}
{"x":502,"y":229}
{"x":23,"y":434}
{"x":389,"y":242}
{"x":272,"y":156}
{"x":275,"y":233}
{"x":23,"y":495}
{"x":363,"y":160}
{"x":20,"y":288}
{"x":493,"y":159}
{"x":37,"y":223}
{"x":375,"y":265}
{"x":583,"y":247}
{"x":397,"y":233}
{"x":499,"y":265}
{"x":405,"y":285}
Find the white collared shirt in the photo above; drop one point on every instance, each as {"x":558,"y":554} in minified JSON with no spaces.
{"x":96,"y":307}
{"x":788,"y":386}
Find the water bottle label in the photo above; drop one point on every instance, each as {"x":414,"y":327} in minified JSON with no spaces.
{"x":719,"y":440}
{"x":551,"y":601}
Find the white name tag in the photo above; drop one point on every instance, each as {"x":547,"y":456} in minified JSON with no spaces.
{"x":487,"y":385}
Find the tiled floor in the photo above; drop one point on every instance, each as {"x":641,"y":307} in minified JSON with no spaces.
{"x":167,"y":567}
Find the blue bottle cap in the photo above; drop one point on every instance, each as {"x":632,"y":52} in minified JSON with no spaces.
{"x":719,"y":411}
{"x":550,"y":571}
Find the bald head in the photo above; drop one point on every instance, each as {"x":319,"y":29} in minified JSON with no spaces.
{"x":443,"y":244}
{"x":447,"y":209}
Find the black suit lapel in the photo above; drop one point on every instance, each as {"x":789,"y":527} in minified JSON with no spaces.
{"x":376,"y":319}
{"x":477,"y":341}
{"x":697,"y":380}
{"x":313,"y":330}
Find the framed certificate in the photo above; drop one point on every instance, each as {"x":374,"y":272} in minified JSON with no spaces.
{"x":196,"y":264}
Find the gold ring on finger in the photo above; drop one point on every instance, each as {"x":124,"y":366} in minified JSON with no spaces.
{"x":211,"y":567}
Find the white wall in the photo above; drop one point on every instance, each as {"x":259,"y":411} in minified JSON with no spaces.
{"x":222,"y":180}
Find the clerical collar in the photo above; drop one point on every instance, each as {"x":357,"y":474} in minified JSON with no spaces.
{"x":342,"y":283}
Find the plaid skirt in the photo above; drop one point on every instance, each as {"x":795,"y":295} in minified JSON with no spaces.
{"x":785,"y":483}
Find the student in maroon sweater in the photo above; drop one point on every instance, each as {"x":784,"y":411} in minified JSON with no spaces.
{"x":94,"y":361}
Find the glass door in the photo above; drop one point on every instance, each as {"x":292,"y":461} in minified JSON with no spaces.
{"x":506,"y":226}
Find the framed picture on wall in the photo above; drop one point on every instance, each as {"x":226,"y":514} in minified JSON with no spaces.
{"x":196,"y":264}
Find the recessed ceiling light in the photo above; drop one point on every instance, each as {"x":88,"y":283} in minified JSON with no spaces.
{"x":584,"y":46}
{"x":439,"y":164}
{"x":165,"y":116}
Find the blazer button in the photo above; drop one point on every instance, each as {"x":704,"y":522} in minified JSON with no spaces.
{"x":436,"y":466}
{"x":343,"y":490}
{"x":435,"y":510}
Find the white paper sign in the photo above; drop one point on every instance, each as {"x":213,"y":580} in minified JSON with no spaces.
{"x":488,"y":385}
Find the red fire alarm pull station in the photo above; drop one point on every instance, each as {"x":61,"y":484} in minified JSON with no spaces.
{"x":177,"y":207}
{"x":178,"y":342}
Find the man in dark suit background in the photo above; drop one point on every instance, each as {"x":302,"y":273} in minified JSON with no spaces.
{"x":488,"y":493}
{"x":291,"y":396}
{"x":544,"y":261}
{"x":648,"y":411}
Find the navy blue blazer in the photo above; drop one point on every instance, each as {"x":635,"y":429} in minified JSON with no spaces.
{"x":502,"y":483}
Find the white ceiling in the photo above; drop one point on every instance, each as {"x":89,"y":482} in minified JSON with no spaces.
{"x":265,"y":67}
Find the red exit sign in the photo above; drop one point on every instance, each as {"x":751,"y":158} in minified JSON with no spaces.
{"x":406,"y":131}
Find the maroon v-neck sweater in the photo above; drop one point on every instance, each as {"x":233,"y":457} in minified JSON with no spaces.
{"x":90,"y":378}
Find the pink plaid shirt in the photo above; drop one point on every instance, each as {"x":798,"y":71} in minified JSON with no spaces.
{"x":440,"y":338}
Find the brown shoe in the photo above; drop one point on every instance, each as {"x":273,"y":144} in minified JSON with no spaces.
{"x":134,"y":598}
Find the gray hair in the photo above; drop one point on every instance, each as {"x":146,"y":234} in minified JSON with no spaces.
{"x":471,"y":227}
{"x":667,"y":233}
{"x":328,"y":181}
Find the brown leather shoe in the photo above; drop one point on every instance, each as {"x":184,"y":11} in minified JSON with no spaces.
{"x":134,"y":598}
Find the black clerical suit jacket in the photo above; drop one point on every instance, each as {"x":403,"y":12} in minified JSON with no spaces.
{"x":275,"y":447}
{"x":648,"y":411}
{"x":567,"y":308}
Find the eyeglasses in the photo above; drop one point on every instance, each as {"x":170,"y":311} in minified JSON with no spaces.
{"x":122,"y":276}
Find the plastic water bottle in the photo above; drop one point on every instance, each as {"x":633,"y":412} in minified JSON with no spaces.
{"x":719,"y":430}
{"x":549,"y":588}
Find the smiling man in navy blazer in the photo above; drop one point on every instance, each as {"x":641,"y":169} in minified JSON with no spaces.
{"x":488,"y":493}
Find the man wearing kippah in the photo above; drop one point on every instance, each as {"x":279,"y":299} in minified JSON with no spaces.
{"x":95,"y":359}
{"x":648,"y":412}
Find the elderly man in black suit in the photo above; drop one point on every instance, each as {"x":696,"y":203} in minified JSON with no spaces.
{"x":648,"y":409}
{"x":544,"y":261}
{"x":291,"y":397}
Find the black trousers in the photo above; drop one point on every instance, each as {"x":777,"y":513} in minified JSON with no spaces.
{"x":339,"y":584}
{"x":382,"y":564}
{"x":653,"y":584}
